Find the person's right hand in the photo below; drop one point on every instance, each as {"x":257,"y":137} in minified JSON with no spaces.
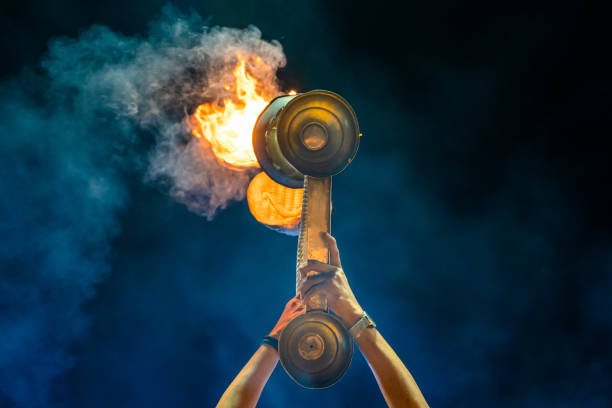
{"x":293,"y":309}
{"x":330,"y":280}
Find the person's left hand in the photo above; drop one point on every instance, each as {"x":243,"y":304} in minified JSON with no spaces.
{"x":293,"y":309}
{"x":330,"y":280}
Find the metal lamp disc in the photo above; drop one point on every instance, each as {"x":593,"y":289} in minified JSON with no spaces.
{"x":315,"y":133}
{"x":318,"y":133}
{"x":315,"y":349}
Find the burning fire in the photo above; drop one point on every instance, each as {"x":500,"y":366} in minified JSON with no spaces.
{"x":274,"y":205}
{"x":228,"y":126}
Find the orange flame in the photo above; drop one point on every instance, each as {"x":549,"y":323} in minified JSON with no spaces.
{"x":275,"y":205}
{"x":228,"y":126}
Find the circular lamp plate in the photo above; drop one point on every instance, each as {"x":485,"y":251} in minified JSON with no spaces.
{"x":318,"y":133}
{"x":315,"y":349}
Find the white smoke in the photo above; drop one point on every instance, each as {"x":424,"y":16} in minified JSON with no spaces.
{"x":105,"y":106}
{"x":155,"y":82}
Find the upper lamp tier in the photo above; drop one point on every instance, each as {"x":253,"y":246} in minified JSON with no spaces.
{"x":315,"y":133}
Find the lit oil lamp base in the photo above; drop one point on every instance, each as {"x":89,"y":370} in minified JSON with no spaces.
{"x":324,"y":346}
{"x":303,"y":140}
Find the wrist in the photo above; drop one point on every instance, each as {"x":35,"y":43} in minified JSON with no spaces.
{"x":269,"y":353}
{"x":275,"y":334}
{"x":350,"y":313}
{"x":271,"y":342}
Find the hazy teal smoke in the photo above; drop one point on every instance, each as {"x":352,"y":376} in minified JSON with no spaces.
{"x":105,"y":105}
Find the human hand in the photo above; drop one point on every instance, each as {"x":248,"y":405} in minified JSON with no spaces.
{"x":330,"y":281}
{"x":293,"y":308}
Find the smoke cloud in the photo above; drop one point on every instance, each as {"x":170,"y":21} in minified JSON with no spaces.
{"x":101,"y":107}
{"x":154,"y":83}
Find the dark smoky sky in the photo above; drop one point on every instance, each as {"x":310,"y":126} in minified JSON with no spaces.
{"x":474,"y":224}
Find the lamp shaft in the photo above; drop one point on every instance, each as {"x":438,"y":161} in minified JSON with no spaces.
{"x":316,"y":219}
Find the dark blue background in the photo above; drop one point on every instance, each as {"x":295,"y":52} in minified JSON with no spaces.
{"x":474,"y":224}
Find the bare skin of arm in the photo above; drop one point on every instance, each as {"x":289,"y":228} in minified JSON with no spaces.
{"x":246,"y":388}
{"x":394,"y":380}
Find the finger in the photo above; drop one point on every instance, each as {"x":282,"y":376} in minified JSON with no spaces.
{"x":320,"y":275}
{"x":316,"y":267}
{"x":295,"y":312}
{"x":316,"y":291}
{"x":292,"y":302}
{"x":334,"y":254}
{"x":312,"y":290}
{"x":295,"y":303}
{"x":308,"y":285}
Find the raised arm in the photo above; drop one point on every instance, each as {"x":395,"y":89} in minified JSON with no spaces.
{"x":394,"y":380}
{"x":245,"y":390}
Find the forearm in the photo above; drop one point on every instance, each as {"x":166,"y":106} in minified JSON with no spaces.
{"x":246,"y":388}
{"x":395,"y":381}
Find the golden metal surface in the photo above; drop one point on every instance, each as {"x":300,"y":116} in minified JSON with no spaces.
{"x":267,"y":150}
{"x":315,"y":349}
{"x":318,"y":133}
{"x":314,"y":136}
{"x":311,"y":346}
{"x":316,"y":218}
{"x":306,"y":139}
{"x":314,"y":133}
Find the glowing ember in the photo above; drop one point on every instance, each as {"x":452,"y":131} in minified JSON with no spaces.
{"x":228,"y":126}
{"x":275,"y":205}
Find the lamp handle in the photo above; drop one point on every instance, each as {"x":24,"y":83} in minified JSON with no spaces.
{"x":316,"y":218}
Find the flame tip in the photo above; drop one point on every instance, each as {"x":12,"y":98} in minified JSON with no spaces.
{"x":227,"y":124}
